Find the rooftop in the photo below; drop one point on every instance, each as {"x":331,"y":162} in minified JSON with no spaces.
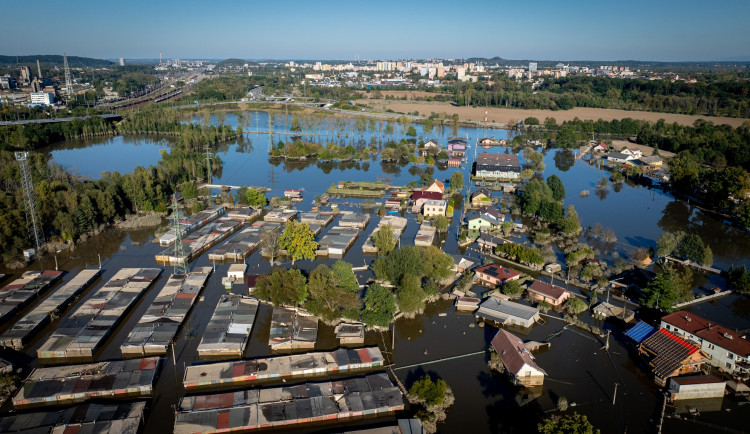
{"x":711,"y":332}
{"x":513,"y":352}
{"x":546,"y":289}
{"x":497,"y":271}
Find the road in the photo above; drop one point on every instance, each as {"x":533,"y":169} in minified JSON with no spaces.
{"x":109,"y":116}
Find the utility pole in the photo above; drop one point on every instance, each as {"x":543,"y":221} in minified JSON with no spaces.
{"x":209,"y":173}
{"x":614,"y":397}
{"x":28,"y":189}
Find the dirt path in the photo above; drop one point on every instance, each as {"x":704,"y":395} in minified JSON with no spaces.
{"x":503,"y":115}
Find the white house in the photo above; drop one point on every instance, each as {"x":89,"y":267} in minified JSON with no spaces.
{"x":517,"y":359}
{"x":728,"y":349}
{"x":619,"y":157}
{"x":634,"y":152}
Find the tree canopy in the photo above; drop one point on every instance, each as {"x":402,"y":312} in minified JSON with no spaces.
{"x":299,"y":241}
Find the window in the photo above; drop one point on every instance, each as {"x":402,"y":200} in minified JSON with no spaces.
{"x":729,"y":365}
{"x":730,"y":356}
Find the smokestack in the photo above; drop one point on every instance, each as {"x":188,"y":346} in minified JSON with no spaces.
{"x":38,"y":69}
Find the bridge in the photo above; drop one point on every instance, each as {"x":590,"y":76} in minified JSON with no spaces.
{"x":108,"y":117}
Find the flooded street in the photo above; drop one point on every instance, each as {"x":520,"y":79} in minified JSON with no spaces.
{"x":578,"y":367}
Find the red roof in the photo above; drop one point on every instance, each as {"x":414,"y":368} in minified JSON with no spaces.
{"x":431,"y":195}
{"x":546,"y":289}
{"x":497,"y":271}
{"x":691,"y":349}
{"x":711,"y":332}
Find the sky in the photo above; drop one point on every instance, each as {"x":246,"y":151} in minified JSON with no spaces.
{"x":658,"y":30}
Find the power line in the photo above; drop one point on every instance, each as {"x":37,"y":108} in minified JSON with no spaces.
{"x":180,"y":266}
{"x":28,"y":189}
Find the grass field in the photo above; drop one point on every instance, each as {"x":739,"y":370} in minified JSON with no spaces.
{"x":503,"y":115}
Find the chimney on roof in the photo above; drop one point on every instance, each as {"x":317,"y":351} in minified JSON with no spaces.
{"x":687,"y":318}
{"x":728,"y":336}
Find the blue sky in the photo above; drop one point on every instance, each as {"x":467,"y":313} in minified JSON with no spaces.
{"x":530,"y":29}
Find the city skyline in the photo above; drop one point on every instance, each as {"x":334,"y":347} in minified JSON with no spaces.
{"x":334,"y":30}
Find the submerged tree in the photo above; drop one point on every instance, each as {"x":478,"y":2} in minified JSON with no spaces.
{"x":299,"y":241}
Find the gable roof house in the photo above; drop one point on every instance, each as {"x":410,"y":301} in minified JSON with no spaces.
{"x":481,"y":222}
{"x":601,"y":147}
{"x":552,"y":294}
{"x":726,"y":348}
{"x":518,"y":361}
{"x":430,"y":146}
{"x":480,"y":197}
{"x":494,"y":275}
{"x":436,"y":186}
{"x":634,"y":152}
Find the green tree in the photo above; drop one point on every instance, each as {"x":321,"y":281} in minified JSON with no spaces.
{"x":296,"y":126}
{"x":427,"y":126}
{"x":384,"y":240}
{"x":432,"y":392}
{"x":441,"y":223}
{"x":410,"y":295}
{"x":436,"y":264}
{"x":299,"y":241}
{"x":282,"y":287}
{"x":668,"y":242}
{"x":255,"y":198}
{"x":411,"y":131}
{"x":691,"y":247}
{"x":457,"y":181}
{"x":512,"y":289}
{"x":333,"y":292}
{"x":189,"y":190}
{"x":557,"y":187}
{"x":569,"y":424}
{"x":738,"y":278}
{"x":379,"y":306}
{"x":660,"y":293}
{"x":575,"y":305}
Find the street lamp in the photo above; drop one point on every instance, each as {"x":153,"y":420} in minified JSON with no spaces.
{"x":100,"y":260}
{"x":56,"y":252}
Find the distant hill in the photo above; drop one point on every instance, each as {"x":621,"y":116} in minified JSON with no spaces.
{"x":232,"y":62}
{"x":51,"y":60}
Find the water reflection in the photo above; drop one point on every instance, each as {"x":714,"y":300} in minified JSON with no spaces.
{"x":564,"y":160}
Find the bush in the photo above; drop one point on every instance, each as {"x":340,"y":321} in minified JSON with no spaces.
{"x":432,"y":392}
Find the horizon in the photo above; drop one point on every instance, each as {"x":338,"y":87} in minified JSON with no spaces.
{"x":732,"y":59}
{"x":333,"y":30}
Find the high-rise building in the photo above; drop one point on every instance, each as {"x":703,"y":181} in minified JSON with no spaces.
{"x":122,"y":61}
{"x":532,"y":66}
{"x":45,"y":98}
{"x":25,"y":75}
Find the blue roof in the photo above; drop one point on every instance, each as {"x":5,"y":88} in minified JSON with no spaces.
{"x":640,"y":332}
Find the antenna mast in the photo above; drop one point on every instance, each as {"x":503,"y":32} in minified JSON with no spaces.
{"x":68,"y":81}
{"x":28,"y":189}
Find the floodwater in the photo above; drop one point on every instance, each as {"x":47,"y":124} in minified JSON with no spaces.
{"x":579,"y":369}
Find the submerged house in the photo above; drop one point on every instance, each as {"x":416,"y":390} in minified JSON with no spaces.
{"x":667,"y":354}
{"x":546,"y":292}
{"x":726,"y":348}
{"x":507,"y":312}
{"x":518,"y":361}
